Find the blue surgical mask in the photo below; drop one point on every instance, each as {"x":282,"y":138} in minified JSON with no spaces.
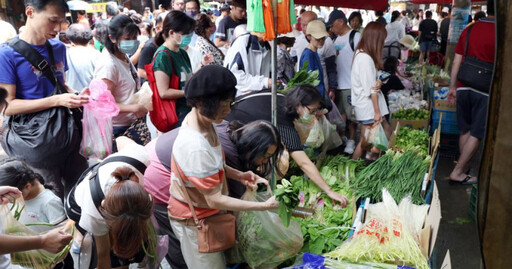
{"x":129,"y":46}
{"x":191,"y":13}
{"x":185,"y":40}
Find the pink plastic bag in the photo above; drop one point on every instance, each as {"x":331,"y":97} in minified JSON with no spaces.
{"x":97,"y":122}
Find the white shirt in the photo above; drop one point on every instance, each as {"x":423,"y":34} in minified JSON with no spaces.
{"x":195,"y":57}
{"x":364,"y":77}
{"x":118,"y":71}
{"x":344,"y":58}
{"x":7,"y":31}
{"x":326,"y":51}
{"x":45,"y":207}
{"x":91,"y":220}
{"x":396,"y":30}
{"x":81,"y":63}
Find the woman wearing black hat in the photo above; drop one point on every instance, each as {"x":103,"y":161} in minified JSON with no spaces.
{"x":297,"y":108}
{"x":198,"y":162}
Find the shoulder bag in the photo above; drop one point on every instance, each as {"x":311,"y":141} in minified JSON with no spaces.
{"x":214,"y":233}
{"x":474,"y":72}
{"x":163,"y":115}
{"x":44,"y":138}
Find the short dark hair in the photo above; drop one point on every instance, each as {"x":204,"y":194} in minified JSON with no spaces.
{"x":79,"y":34}
{"x":40,"y":5}
{"x":391,"y":65}
{"x":101,"y":27}
{"x":252,"y":141}
{"x":395,"y":15}
{"x":490,"y":7}
{"x":356,"y":14}
{"x":479,"y":15}
{"x":208,"y":105}
{"x":112,"y":9}
{"x":379,"y":13}
{"x":239,"y":3}
{"x":197,"y":2}
{"x":81,"y":12}
{"x":16,"y":173}
{"x":304,"y":95}
{"x":287,"y":41}
{"x":428,"y":14}
{"x":176,"y":21}
{"x":119,"y":26}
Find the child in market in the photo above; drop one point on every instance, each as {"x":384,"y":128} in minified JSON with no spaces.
{"x":316,"y":35}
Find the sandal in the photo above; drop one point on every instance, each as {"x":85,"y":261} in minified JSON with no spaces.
{"x":465,"y":181}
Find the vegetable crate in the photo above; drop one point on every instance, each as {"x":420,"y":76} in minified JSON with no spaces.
{"x":449,"y":121}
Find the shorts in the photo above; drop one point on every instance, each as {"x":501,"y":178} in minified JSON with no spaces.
{"x":344,"y":103}
{"x":427,"y":46}
{"x":366,"y":122}
{"x":472,"y":111}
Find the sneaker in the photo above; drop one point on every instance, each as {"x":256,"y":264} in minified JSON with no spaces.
{"x":350,"y":147}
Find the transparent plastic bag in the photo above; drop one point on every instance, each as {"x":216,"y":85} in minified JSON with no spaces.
{"x":316,"y":135}
{"x":378,"y":139}
{"x":332,"y":139}
{"x":37,"y":258}
{"x":144,"y":96}
{"x":262,"y":239}
{"x":97,"y":122}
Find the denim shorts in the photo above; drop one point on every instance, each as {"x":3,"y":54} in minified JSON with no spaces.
{"x":427,"y":46}
{"x":366,"y":122}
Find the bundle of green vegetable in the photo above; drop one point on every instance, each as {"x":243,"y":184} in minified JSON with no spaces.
{"x":330,"y":225}
{"x":400,"y":173}
{"x":303,"y":77}
{"x":411,"y":114}
{"x":288,"y":196}
{"x":410,"y":139}
{"x":384,"y":238}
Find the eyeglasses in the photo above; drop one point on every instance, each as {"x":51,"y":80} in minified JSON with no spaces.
{"x":313,"y":110}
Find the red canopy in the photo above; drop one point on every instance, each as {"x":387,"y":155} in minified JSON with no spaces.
{"x":442,"y":2}
{"x":358,"y":4}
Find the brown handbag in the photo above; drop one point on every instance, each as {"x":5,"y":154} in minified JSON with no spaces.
{"x":214,"y":233}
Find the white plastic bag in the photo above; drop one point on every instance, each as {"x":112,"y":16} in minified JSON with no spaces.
{"x":332,"y":139}
{"x":316,"y":135}
{"x":144,"y":96}
{"x":262,"y":239}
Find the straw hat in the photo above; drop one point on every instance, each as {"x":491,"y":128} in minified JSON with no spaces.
{"x":317,"y":29}
{"x":407,"y":41}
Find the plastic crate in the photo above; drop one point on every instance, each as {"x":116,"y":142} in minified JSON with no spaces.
{"x":473,"y":202}
{"x":449,"y":123}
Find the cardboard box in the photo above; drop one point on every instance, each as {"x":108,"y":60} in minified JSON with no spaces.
{"x":444,"y":105}
{"x":413,"y":124}
{"x":431,"y":227}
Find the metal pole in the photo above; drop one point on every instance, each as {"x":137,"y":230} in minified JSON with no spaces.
{"x":274,"y":83}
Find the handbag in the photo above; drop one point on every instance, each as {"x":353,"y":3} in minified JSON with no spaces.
{"x":214,"y":233}
{"x":474,"y":72}
{"x":47,"y":137}
{"x":163,"y":115}
{"x":139,"y":132}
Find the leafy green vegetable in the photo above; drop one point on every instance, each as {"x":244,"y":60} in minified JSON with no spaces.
{"x":411,"y":114}
{"x":409,"y":139}
{"x":303,"y":77}
{"x":400,"y":173}
{"x":288,"y":196}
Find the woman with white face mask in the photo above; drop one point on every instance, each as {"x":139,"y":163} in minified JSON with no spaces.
{"x":295,"y":116}
{"x":172,"y":67}
{"x":116,"y":70}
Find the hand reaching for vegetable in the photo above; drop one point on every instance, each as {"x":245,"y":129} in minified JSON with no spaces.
{"x":336,"y":197}
{"x":251,"y":180}
{"x":271,"y":203}
{"x":9,"y":194}
{"x":55,"y":240}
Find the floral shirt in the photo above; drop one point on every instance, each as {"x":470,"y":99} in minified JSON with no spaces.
{"x":206,"y":47}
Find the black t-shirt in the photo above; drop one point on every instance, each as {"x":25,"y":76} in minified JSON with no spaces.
{"x":257,"y":106}
{"x":227,"y":27}
{"x":428,"y":29}
{"x":381,"y":20}
{"x":165,"y":143}
{"x":392,"y":83}
{"x":445,"y":28}
{"x":146,"y":55}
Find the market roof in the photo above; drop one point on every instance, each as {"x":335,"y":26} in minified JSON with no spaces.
{"x":359,"y":4}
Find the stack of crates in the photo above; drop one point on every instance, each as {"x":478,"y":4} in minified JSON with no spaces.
{"x":449,"y":123}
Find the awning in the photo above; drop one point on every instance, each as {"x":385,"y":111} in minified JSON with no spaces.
{"x":439,"y":2}
{"x":357,"y":4}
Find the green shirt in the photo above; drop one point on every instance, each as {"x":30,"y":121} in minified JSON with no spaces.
{"x":182,"y":69}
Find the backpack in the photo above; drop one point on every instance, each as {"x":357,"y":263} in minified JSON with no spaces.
{"x":73,"y":210}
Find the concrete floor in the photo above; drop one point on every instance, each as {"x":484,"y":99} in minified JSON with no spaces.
{"x":458,"y":230}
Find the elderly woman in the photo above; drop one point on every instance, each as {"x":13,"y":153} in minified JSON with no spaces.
{"x":198,"y":162}
{"x":80,"y":56}
{"x":204,"y":29}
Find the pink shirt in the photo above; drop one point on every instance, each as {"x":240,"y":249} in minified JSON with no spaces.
{"x":157,"y":179}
